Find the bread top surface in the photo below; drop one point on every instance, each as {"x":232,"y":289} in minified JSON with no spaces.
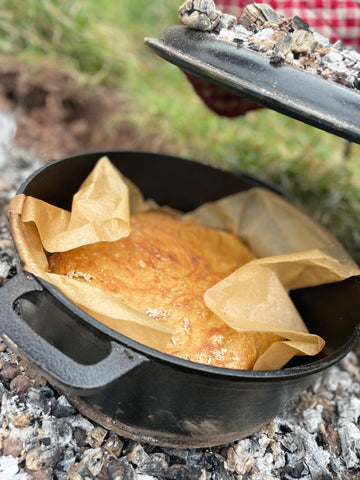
{"x":163,"y":268}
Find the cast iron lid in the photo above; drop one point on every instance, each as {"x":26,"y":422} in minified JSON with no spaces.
{"x":296,"y":93}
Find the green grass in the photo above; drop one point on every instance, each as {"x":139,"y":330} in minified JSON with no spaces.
{"x":101,"y":42}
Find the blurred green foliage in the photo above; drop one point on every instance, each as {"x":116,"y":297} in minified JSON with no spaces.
{"x":102,"y":42}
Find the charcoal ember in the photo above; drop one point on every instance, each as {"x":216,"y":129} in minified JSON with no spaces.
{"x":22,"y":420}
{"x":114,"y":445}
{"x":312,"y":418}
{"x":62,"y":408}
{"x":42,"y":457}
{"x":265,"y":35}
{"x":67,"y":460}
{"x":156,"y":465}
{"x":4,"y":387}
{"x":248,"y":24}
{"x":121,"y":470}
{"x":303,"y":42}
{"x":332,"y":59}
{"x":60,"y":475}
{"x":296,"y":470}
{"x":290,"y":41}
{"x":96,"y":437}
{"x":200,"y":14}
{"x":94,"y":461}
{"x":281,"y":50}
{"x":44,"y":474}
{"x":239,"y":460}
{"x":176,"y":455}
{"x":205,"y":458}
{"x":90,"y":465}
{"x":226,"y":22}
{"x":260,"y":13}
{"x":79,"y":436}
{"x":296,"y":44}
{"x":212,"y":462}
{"x":137,"y":455}
{"x":298,"y":23}
{"x":303,"y":445}
{"x":80,"y":423}
{"x":4,"y":270}
{"x":349,"y":436}
{"x":338,"y":45}
{"x":58,"y":429}
{"x":40,"y":400}
{"x":184,"y":472}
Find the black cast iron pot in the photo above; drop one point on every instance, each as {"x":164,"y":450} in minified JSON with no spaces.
{"x":137,"y":391}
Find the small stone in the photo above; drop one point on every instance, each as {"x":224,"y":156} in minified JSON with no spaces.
{"x":22,"y":420}
{"x":12,"y":446}
{"x":32,"y":374}
{"x":9,"y":372}
{"x":21,"y":384}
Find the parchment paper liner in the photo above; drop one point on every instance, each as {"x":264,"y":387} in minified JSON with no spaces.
{"x":293,"y":252}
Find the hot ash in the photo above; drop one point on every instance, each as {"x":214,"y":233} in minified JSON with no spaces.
{"x":284,"y":40}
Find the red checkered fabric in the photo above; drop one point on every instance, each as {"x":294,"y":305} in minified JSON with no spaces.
{"x":334,"y":19}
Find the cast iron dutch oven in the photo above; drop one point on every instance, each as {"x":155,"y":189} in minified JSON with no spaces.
{"x":137,"y":391}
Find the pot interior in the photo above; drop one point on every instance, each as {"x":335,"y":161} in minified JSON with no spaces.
{"x":331,"y":311}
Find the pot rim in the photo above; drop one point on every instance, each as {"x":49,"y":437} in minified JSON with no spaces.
{"x":311,"y":368}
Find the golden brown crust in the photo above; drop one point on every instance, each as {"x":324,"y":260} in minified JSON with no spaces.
{"x":163,"y":268}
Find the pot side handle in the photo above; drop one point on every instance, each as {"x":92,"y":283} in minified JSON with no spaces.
{"x":61,"y":370}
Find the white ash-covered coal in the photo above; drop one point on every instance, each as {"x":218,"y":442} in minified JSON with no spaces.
{"x":283,"y":40}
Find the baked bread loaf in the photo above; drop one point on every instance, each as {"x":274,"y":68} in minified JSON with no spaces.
{"x":163,"y":268}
